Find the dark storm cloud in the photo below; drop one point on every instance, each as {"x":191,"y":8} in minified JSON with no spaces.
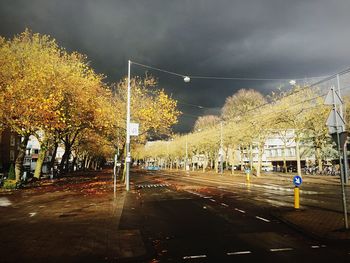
{"x":258,"y":38}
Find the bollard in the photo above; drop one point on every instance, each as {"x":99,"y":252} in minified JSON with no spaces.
{"x":296,"y":198}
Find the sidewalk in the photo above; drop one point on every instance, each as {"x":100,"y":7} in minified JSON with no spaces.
{"x":72,"y":219}
{"x":321,"y":224}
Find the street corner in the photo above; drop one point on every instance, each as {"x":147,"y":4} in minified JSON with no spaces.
{"x":341,"y":234}
{"x":317,"y":223}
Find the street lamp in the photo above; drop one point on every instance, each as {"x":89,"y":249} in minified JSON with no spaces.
{"x":128,"y":155}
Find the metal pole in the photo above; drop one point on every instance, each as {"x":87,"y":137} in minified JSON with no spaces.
{"x":186,"y":161}
{"x":128,"y":156}
{"x":115,"y":176}
{"x":345,"y":155}
{"x":341,"y":166}
{"x":221,"y":151}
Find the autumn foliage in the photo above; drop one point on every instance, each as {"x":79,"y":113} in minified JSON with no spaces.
{"x":56,"y":96}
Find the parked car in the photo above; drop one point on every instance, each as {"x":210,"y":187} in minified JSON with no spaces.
{"x":152,"y":168}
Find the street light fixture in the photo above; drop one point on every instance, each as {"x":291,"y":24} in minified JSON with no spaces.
{"x":128,"y":155}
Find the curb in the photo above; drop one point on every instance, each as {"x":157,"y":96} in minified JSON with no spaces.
{"x":336,"y":236}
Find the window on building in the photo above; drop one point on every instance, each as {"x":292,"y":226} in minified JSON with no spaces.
{"x":292,"y":151}
{"x":36,"y":151}
{"x":12,"y":140}
{"x":279,"y":152}
{"x":12,"y":155}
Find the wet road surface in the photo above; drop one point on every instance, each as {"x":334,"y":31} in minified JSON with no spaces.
{"x":182,"y":220}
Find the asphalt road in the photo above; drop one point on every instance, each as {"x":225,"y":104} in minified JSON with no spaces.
{"x":187,"y":219}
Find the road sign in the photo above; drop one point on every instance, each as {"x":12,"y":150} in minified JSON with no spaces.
{"x":335,"y":122}
{"x":134,"y":129}
{"x":333,"y":98}
{"x":297,"y":180}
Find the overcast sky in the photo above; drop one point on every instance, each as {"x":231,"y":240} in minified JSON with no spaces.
{"x":248,"y":38}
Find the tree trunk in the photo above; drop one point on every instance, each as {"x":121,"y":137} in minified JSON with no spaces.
{"x":20,"y":157}
{"x":284,"y":158}
{"x":251,"y":157}
{"x":217,"y":165}
{"x":319,"y":159}
{"x":241,"y":157}
{"x":40,"y":161}
{"x":52,"y":162}
{"x":260,"y":153}
{"x":88,"y":163}
{"x":74,"y":162}
{"x":297,"y":151}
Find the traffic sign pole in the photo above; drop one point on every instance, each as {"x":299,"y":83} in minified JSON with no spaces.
{"x":336,"y":125}
{"x":297,"y":181}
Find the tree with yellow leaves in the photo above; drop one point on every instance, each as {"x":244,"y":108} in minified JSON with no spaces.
{"x":27,"y":87}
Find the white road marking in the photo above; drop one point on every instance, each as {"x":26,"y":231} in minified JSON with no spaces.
{"x":263,"y":219}
{"x":204,"y":207}
{"x":223,"y":204}
{"x":238,"y":253}
{"x":198,"y":256}
{"x":315,"y":246}
{"x":281,"y":249}
{"x":239,"y":210}
{"x":207,"y":197}
{"x":212,"y":200}
{"x":4,"y":201}
{"x":32,"y":214}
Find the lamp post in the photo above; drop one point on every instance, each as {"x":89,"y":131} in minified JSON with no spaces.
{"x":221,"y":154}
{"x":127,"y":144}
{"x":128,"y":156}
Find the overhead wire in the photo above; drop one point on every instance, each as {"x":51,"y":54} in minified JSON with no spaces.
{"x":221,"y":78}
{"x":324,"y":79}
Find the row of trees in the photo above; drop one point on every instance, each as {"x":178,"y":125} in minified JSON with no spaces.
{"x":248,"y":119}
{"x":56,"y":96}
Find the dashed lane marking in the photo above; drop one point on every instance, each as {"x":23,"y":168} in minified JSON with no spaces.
{"x":281,"y":249}
{"x":238,"y":253}
{"x":263,"y":219}
{"x":315,"y":246}
{"x":223,"y":204}
{"x":207,"y":197}
{"x":239,"y":210}
{"x":197,"y":256}
{"x":212,"y":200}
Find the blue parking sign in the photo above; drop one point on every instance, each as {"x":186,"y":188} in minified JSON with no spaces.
{"x":297,"y":180}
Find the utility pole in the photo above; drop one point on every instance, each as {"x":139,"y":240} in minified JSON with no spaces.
{"x":336,"y":123}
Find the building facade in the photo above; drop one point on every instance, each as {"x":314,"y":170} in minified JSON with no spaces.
{"x":9,"y":144}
